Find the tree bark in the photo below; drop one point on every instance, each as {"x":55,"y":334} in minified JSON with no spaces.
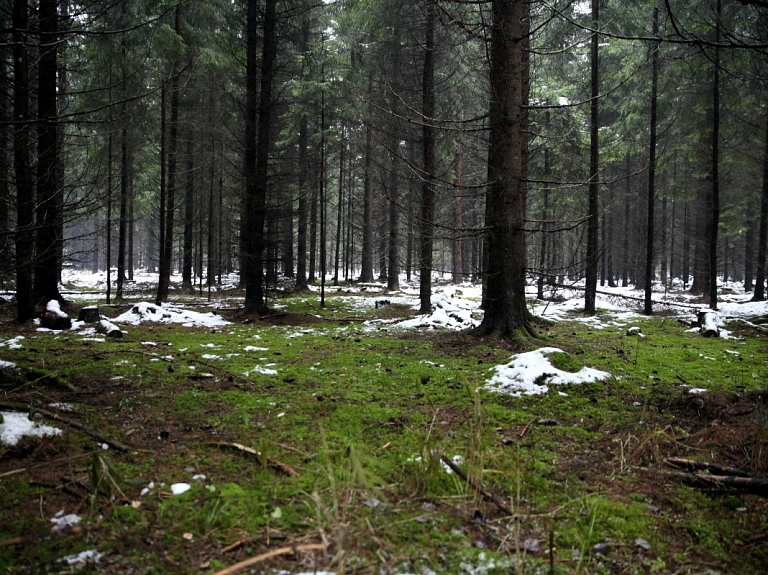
{"x":762,"y":234}
{"x":46,"y":207}
{"x":189,"y":214}
{"x":505,"y":311}
{"x":24,"y":239}
{"x":428,"y":175}
{"x":648,"y":302}
{"x":257,"y":159}
{"x":593,"y":212}
{"x":715,"y":162}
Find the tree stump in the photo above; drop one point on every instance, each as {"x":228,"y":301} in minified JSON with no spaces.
{"x":54,"y":318}
{"x":89,"y":314}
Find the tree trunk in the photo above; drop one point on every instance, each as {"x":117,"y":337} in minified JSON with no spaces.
{"x":170,"y":206}
{"x":762,"y":234}
{"x":366,"y":260}
{"x":257,"y":159}
{"x":340,"y":211}
{"x":505,"y":311}
{"x":428,"y":175}
{"x":46,"y":205}
{"x":593,"y":212}
{"x":648,"y":304}
{"x":189,"y":214}
{"x":5,"y":163}
{"x":24,"y":239}
{"x":304,"y":188}
{"x":163,"y":193}
{"x":122,"y":238}
{"x":715,"y":163}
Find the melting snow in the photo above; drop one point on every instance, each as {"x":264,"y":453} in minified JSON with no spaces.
{"x":88,"y":556}
{"x":16,"y":425}
{"x":60,"y":521}
{"x":169,"y":313}
{"x":13,"y":343}
{"x":532,"y":373}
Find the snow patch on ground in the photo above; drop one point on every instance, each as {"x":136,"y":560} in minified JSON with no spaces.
{"x":17,"y":425}
{"x":169,"y":313}
{"x":532,"y":373}
{"x":13,"y":343}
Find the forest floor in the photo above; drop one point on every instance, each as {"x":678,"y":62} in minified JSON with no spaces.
{"x":332,"y":440}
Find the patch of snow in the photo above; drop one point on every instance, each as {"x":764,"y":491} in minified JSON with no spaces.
{"x":13,"y":343}
{"x":697,"y":390}
{"x":169,"y":313}
{"x":17,"y":425}
{"x":60,"y":521}
{"x":532,"y":373}
{"x":6,"y":364}
{"x":262,"y":370}
{"x":88,"y":556}
{"x":54,"y":308}
{"x":211,"y":356}
{"x":255,"y":348}
{"x":179,"y":488}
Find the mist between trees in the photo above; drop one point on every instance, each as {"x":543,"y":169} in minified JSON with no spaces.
{"x":292,"y":141}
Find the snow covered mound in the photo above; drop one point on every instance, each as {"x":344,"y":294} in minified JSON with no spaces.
{"x":451,"y":309}
{"x":532,"y":373}
{"x":169,"y":313}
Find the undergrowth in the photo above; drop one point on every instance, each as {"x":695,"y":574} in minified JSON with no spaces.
{"x":363,"y":418}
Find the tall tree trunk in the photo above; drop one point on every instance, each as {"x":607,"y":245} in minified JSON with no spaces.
{"x":366,"y":260}
{"x":304,"y":188}
{"x":46,"y":256}
{"x":593,"y":221}
{"x":257,"y":159}
{"x":648,"y":303}
{"x":762,"y":234}
{"x":340,"y":211}
{"x":189,"y":214}
{"x":715,"y":162}
{"x":122,"y":237}
{"x":5,"y":162}
{"x":163,"y":190}
{"x":173,"y":148}
{"x":24,"y":239}
{"x":505,"y":310}
{"x":457,"y":248}
{"x":428,"y":175}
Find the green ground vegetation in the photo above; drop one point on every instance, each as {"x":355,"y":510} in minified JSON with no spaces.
{"x":346,"y":425}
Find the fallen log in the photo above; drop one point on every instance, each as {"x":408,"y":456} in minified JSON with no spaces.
{"x":714,"y":468}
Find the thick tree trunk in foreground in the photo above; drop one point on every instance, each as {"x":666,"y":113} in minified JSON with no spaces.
{"x":46,"y":238}
{"x":428,"y":185}
{"x":256,"y":160}
{"x":590,"y":293}
{"x":505,"y":310}
{"x":25,"y":306}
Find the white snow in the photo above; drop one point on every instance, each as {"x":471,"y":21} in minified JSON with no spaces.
{"x":531,"y":373}
{"x":17,"y":425}
{"x":88,"y":556}
{"x":169,"y":313}
{"x":179,"y":488}
{"x":6,"y":364}
{"x":60,"y":521}
{"x":54,"y":307}
{"x":13,"y":343}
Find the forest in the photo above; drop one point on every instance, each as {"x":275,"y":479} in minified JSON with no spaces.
{"x":500,"y":142}
{"x":383,"y":287}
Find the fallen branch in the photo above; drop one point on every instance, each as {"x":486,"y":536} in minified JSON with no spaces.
{"x":71,"y":422}
{"x":714,"y":468}
{"x":485,"y":493}
{"x":269,"y":555}
{"x":279,"y":465}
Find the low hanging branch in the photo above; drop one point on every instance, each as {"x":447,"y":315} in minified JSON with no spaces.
{"x":25,"y":407}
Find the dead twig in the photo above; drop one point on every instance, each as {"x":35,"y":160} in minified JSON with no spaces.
{"x":279,"y":465}
{"x":485,"y":493}
{"x":269,"y":555}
